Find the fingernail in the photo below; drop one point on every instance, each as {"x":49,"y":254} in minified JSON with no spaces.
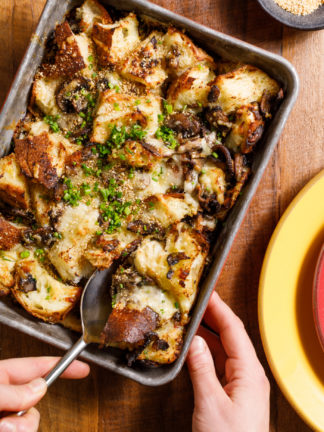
{"x":200,"y":345}
{"x":7,"y":426}
{"x":38,"y":385}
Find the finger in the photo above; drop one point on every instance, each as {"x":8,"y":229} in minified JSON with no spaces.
{"x":233,"y":335}
{"x":203,"y":376}
{"x":22,"y":370}
{"x":29,"y":422}
{"x":21,"y":397}
{"x":216,"y":349}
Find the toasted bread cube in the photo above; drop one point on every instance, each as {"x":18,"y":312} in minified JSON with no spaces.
{"x":168,"y":347}
{"x":180,"y":276}
{"x":42,"y":204}
{"x":136,"y":154}
{"x":68,"y":59}
{"x":42,"y":154}
{"x":41,"y":294}
{"x":163,"y":179}
{"x":170,"y":208}
{"x":90,"y":13}
{"x":144,"y":64}
{"x":182,"y":53}
{"x":242,"y":87}
{"x":114,"y":41}
{"x":87,"y":51}
{"x":128,"y":327}
{"x":247,"y":129}
{"x":191,"y":88}
{"x":117,"y":109}
{"x":44,"y":94}
{"x":108,"y":247}
{"x":8,"y":261}
{"x":141,"y":305}
{"x":77,"y":225}
{"x":10,"y":234}
{"x":13,"y":184}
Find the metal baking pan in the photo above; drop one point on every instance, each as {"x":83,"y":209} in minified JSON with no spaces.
{"x":216,"y":43}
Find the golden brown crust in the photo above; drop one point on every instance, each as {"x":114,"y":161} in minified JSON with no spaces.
{"x":9,"y":234}
{"x":68,"y":59}
{"x":34,"y":160}
{"x":13,"y":185}
{"x":129,"y":326}
{"x":102,"y":37}
{"x":183,"y":83}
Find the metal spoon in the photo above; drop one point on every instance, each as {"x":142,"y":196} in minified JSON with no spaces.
{"x":95,"y":307}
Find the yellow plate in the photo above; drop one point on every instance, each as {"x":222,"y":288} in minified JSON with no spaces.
{"x":285,"y":303}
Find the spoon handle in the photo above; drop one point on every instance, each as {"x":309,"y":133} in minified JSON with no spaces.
{"x":65,"y":361}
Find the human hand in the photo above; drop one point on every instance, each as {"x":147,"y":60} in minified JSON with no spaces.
{"x":242,"y":403}
{"x":21,"y":387}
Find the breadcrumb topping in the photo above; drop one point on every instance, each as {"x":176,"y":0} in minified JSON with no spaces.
{"x":300,"y":7}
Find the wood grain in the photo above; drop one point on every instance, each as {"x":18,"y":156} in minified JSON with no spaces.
{"x":104,"y":401}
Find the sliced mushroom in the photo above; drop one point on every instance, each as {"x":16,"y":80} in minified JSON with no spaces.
{"x":217,"y":119}
{"x":222,"y":153}
{"x":28,"y":284}
{"x":174,"y":257}
{"x":188,"y":125}
{"x":70,"y":95}
{"x":208,"y":202}
{"x":269,"y":102}
{"x":143,"y":228}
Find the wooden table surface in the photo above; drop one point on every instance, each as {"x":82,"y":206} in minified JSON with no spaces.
{"x":107,"y":402}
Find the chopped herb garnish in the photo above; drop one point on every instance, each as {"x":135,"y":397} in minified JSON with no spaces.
{"x":176,"y":305}
{"x":113,"y":300}
{"x":131,"y":173}
{"x":167,"y":107}
{"x":71,"y":194}
{"x":24,"y":254}
{"x":161,"y":118}
{"x":52,"y":122}
{"x":167,"y":135}
{"x":215,"y":155}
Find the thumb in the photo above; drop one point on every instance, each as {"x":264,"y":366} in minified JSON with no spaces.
{"x":203,"y":375}
{"x":21,"y":397}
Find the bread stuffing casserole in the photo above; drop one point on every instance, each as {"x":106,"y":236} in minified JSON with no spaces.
{"x":135,"y":146}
